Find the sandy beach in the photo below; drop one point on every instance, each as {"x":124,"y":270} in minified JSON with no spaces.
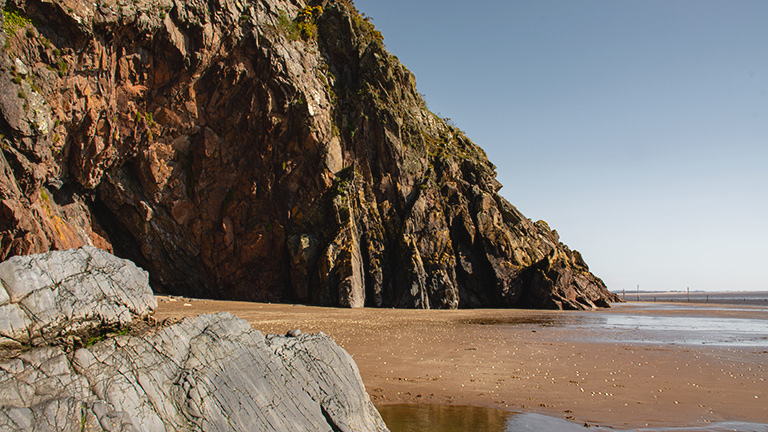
{"x":549,"y":362}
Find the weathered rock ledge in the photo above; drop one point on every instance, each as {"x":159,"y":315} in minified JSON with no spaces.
{"x":209,"y":373}
{"x":52,"y":295}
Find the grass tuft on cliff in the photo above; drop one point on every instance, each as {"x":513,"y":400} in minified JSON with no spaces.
{"x":14,"y":21}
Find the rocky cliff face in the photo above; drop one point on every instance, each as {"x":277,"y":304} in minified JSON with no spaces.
{"x":80,"y":361}
{"x":267,"y":150}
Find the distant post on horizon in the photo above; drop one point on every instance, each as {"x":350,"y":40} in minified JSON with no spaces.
{"x":688,"y":294}
{"x":638,"y":292}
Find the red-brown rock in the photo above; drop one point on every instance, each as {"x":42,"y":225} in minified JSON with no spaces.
{"x":235,"y":155}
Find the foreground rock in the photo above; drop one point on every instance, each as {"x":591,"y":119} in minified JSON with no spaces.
{"x":57,"y":294}
{"x":208,"y":373}
{"x":267,"y":150}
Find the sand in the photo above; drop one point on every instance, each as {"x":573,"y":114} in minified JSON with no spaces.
{"x":536,"y":362}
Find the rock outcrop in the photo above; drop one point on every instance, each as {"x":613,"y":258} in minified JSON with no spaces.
{"x":209,"y":373}
{"x":267,"y":150}
{"x":54,"y":295}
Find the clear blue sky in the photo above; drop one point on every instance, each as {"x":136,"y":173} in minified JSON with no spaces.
{"x":637,"y":129}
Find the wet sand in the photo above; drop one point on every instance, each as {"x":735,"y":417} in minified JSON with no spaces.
{"x":555,"y":363}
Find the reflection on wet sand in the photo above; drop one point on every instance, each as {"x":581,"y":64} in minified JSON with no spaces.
{"x":457,"y":418}
{"x":657,"y":325}
{"x":445,"y":418}
{"x":686,"y":330}
{"x":453,"y":418}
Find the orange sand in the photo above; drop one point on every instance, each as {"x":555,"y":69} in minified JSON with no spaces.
{"x":451,"y":357}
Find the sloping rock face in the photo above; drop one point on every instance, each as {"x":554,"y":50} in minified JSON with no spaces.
{"x":265,"y":150}
{"x":59,"y":294}
{"x":208,"y":373}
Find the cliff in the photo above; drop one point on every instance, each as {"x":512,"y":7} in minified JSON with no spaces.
{"x":266,"y":150}
{"x":107,"y":371}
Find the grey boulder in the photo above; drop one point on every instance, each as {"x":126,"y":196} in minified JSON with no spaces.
{"x":50,"y":295}
{"x":208,"y":373}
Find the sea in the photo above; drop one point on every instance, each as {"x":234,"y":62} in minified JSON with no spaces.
{"x":756,"y":298}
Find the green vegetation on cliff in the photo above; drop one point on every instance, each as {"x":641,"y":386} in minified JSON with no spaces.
{"x":14,"y":21}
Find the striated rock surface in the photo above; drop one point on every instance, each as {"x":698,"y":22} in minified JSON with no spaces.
{"x":266,"y":150}
{"x":58,"y":294}
{"x":208,"y":373}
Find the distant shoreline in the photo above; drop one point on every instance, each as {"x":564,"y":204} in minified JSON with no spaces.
{"x":757,"y":298}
